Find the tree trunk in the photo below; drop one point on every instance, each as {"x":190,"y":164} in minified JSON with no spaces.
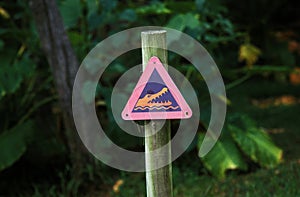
{"x":64,"y":65}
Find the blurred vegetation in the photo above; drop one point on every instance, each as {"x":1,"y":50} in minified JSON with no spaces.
{"x":256,"y":46}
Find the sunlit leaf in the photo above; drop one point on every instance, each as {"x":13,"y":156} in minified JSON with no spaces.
{"x":256,"y":143}
{"x":116,"y":187}
{"x":153,"y":8}
{"x":181,"y":6}
{"x":224,"y":156}
{"x":4,"y":13}
{"x":249,"y":53}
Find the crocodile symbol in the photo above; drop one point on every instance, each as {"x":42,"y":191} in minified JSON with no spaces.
{"x":155,"y":101}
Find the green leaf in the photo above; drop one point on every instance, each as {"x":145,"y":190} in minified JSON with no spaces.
{"x":10,"y":79}
{"x":11,"y":76}
{"x":200,"y":4}
{"x":153,"y":8}
{"x":180,"y":6}
{"x":177,"y":22}
{"x":71,"y":12}
{"x":92,"y":7}
{"x":117,"y":68}
{"x":25,"y":67}
{"x":13,"y":143}
{"x":182,"y":21}
{"x":128,"y":15}
{"x":256,"y":144}
{"x":76,"y":39}
{"x":224,"y":156}
{"x":108,"y":5}
{"x":192,"y":21}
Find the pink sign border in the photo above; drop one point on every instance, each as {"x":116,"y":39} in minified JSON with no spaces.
{"x":154,"y":63}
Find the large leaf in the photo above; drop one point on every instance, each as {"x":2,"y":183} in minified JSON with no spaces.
{"x":255,"y":143}
{"x":224,"y":156}
{"x":13,"y":144}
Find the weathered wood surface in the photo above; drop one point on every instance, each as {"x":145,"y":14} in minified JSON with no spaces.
{"x":158,"y":182}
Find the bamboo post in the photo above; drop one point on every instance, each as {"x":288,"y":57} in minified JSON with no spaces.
{"x":158,"y":182}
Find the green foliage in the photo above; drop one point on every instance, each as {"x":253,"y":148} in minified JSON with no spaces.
{"x":248,"y":140}
{"x":13,"y":143}
{"x":206,"y":21}
{"x":24,"y":83}
{"x":281,"y":181}
{"x":128,"y":15}
{"x":154,"y":8}
{"x":11,"y":76}
{"x":71,"y":12}
{"x":208,"y":24}
{"x":27,"y":91}
{"x":225,"y":155}
{"x":255,"y":143}
{"x":182,"y":21}
{"x":67,"y":186}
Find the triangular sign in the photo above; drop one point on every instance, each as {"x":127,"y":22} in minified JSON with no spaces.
{"x":156,"y":96}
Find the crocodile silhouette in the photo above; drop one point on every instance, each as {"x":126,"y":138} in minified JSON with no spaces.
{"x":154,"y":101}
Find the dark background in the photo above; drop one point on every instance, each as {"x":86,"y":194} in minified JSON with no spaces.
{"x":254,"y":43}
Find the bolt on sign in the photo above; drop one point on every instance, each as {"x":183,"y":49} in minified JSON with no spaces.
{"x":156,"y":96}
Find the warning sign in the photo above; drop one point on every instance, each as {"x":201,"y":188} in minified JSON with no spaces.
{"x":156,"y":96}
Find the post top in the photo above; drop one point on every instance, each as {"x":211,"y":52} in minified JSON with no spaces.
{"x":154,"y":32}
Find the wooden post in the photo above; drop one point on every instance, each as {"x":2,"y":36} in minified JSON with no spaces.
{"x":158,"y":182}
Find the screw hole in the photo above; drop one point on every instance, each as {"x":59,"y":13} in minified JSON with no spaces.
{"x":126,"y":114}
{"x":187,"y":113}
{"x":154,"y":62}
